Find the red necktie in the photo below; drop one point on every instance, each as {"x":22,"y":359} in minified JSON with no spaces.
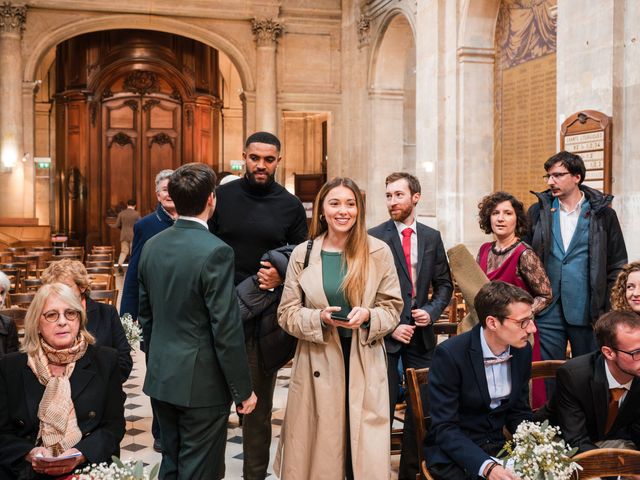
{"x":406,"y":249}
{"x":612,"y":411}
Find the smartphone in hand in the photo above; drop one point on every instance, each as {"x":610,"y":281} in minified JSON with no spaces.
{"x":341,"y":315}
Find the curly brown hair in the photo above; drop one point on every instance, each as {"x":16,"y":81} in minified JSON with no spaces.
{"x":488,"y":204}
{"x":618,"y":292}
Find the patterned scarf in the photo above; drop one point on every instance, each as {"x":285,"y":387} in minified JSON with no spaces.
{"x":59,"y":429}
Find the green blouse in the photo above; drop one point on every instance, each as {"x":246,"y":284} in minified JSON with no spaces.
{"x":333,"y":273}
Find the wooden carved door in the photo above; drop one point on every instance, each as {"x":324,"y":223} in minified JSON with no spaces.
{"x":141,"y":135}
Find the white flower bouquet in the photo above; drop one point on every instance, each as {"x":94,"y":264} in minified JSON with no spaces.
{"x":131,"y":329}
{"x":538,"y":453}
{"x":121,"y":470}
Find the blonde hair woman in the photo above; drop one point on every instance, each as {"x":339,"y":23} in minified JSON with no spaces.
{"x":103,"y":320}
{"x":340,"y":307}
{"x":60,"y":396}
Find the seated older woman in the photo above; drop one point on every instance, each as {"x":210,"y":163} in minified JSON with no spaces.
{"x":103,"y":320}
{"x":8,"y":331}
{"x":61,"y":400}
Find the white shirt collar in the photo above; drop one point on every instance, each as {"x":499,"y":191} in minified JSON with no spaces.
{"x":578,"y":206}
{"x":194,"y":219}
{"x":613,"y":383}
{"x":401,"y":226}
{"x":486,"y":351}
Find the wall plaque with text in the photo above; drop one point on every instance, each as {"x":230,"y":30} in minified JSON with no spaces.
{"x":588,"y":134}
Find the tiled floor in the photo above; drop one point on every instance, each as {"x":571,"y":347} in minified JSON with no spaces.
{"x":138,"y":441}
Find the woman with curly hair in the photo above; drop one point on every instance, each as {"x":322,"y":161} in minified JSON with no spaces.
{"x":625,"y":294}
{"x":511,"y":260}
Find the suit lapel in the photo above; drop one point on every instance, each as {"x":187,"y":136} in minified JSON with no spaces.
{"x":422,"y":246}
{"x":311,"y":277}
{"x":396,"y":246}
{"x":477,"y":362}
{"x":600,"y":395}
{"x":82,"y":374}
{"x":629,"y":409}
{"x":556,"y":231}
{"x":581,"y":229}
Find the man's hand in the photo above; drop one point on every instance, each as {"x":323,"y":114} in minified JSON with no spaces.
{"x":268,"y":276}
{"x":501,"y":473}
{"x":420,"y":317}
{"x":403,"y":333}
{"x":248,"y":405}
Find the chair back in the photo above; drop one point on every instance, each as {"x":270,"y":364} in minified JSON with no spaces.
{"x":105,"y":296}
{"x":22,"y":300}
{"x":32,"y":284}
{"x":417,"y":380}
{"x":101,"y":249}
{"x":15,"y":278}
{"x":607,"y":462}
{"x":17,"y":315}
{"x":102,"y":281}
{"x":99,"y":263}
{"x":99,"y":257}
{"x":103,"y":270}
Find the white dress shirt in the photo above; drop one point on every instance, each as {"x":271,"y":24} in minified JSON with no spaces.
{"x":499,"y":375}
{"x":613,"y":383}
{"x":569,"y":221}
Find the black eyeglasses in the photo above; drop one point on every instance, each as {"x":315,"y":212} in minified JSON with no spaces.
{"x":555,"y":176}
{"x":635,"y":355}
{"x":523,"y":323}
{"x":70,"y":314}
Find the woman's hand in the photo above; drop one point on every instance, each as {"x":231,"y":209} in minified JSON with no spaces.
{"x":59,"y":467}
{"x":357,"y":316}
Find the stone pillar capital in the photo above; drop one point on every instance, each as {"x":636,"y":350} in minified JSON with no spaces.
{"x":12,"y":18}
{"x":266,"y":31}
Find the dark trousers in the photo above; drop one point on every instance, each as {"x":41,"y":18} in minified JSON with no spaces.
{"x":345,"y":342}
{"x":452,"y":471}
{"x":256,"y":427}
{"x":414,"y":355}
{"x":193,"y":441}
{"x":155,"y":428}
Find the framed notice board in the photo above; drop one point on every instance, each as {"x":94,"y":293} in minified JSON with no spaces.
{"x":588,"y":134}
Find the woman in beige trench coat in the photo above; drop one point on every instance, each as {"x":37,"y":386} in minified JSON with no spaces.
{"x":313,"y":440}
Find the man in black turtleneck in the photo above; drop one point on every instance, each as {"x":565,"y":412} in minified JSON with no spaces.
{"x":254,"y":215}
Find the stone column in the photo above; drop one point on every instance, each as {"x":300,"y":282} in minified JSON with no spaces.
{"x":12,"y":181}
{"x":266,"y":33}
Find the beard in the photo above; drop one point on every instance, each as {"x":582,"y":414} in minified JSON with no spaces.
{"x":251,"y":177}
{"x":401,"y":214}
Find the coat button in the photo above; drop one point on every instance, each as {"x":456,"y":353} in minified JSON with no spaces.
{"x":373,"y":342}
{"x":316,"y":374}
{"x":87,"y":434}
{"x":92,"y":414}
{"x":21,"y":423}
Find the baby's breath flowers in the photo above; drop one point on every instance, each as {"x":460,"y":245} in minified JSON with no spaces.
{"x":538,"y":453}
{"x":131,"y":329}
{"x":118,"y":470}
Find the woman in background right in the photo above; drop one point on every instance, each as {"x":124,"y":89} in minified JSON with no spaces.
{"x":625,"y":294}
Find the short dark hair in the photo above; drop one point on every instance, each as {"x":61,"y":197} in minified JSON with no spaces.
{"x":262,"y":137}
{"x":414,"y":183}
{"x":606,"y":327}
{"x":494,"y":298}
{"x":489,"y":203}
{"x":131,"y":202}
{"x":572,"y":162}
{"x":190,"y":186}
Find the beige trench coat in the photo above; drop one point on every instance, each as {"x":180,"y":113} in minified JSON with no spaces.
{"x":313,"y":433}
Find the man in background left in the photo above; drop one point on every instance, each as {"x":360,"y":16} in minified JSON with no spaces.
{"x":188,"y":310}
{"x":125,"y":221}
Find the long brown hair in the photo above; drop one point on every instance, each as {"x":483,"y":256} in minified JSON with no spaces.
{"x":356,"y":252}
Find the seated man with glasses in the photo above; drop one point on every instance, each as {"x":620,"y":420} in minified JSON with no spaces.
{"x":597,"y":400}
{"x":479,"y":384}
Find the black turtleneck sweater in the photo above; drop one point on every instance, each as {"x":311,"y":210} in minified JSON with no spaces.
{"x":254,"y":220}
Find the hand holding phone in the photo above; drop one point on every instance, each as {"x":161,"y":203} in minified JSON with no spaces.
{"x":341,"y":315}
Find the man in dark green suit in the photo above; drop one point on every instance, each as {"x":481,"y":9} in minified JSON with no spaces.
{"x":197,"y":363}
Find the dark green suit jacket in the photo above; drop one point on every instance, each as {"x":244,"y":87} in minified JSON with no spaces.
{"x":190,"y":319}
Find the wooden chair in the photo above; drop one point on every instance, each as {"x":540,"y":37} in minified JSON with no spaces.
{"x":17,"y":315}
{"x":445,"y":328}
{"x":99,"y":263}
{"x":42,"y":249}
{"x":416,"y":378}
{"x":102,"y":281}
{"x":32,"y":262}
{"x":22,"y":300}
{"x":15,"y":279}
{"x":102,"y":249}
{"x":103,"y":270}
{"x":32,"y":284}
{"x":21,"y":267}
{"x":543,"y":369}
{"x":607,"y":462}
{"x":71,"y":254}
{"x":424,"y":473}
{"x":99,"y":257}
{"x":105,"y":296}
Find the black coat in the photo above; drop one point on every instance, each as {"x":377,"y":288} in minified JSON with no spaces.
{"x":8,"y":336}
{"x":104,"y":324}
{"x":97,"y":396}
{"x":259,"y":313}
{"x":607,"y":250}
{"x":581,"y":402}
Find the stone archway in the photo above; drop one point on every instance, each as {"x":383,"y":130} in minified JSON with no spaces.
{"x":392,"y":89}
